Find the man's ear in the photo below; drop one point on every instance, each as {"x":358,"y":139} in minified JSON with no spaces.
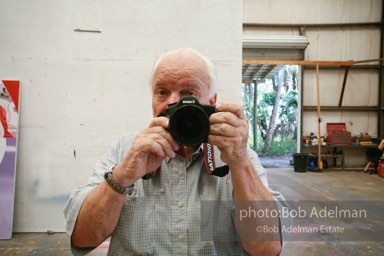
{"x":212,"y":100}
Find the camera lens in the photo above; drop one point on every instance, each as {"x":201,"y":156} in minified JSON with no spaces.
{"x":189,"y":125}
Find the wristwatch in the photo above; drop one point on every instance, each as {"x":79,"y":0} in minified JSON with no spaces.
{"x":113,"y":183}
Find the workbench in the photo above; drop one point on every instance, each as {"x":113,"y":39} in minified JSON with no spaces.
{"x":335,"y":152}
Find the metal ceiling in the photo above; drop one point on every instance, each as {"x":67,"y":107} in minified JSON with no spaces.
{"x":252,"y":72}
{"x":257,"y":47}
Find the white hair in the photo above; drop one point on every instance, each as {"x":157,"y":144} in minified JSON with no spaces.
{"x":189,"y":51}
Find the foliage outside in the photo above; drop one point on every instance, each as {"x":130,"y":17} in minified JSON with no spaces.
{"x":273,"y":124}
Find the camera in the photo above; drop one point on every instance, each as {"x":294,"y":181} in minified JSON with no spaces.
{"x":189,"y":120}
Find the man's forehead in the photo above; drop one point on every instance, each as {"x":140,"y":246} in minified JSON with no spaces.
{"x":193,"y":74}
{"x":186,"y":84}
{"x":184,"y":70}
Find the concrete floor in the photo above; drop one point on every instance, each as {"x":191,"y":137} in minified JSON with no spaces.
{"x":328,"y":185}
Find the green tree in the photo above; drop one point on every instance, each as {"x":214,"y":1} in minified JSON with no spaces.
{"x":276,"y":112}
{"x":278,"y":82}
{"x":249,"y":111}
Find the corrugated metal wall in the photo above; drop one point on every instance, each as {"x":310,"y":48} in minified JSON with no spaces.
{"x":338,"y":30}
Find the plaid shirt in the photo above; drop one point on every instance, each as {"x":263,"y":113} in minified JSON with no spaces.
{"x":161,"y":216}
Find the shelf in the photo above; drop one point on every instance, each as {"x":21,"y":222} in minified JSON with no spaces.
{"x":343,"y":108}
{"x":354,"y":67}
{"x":338,"y":152}
{"x":353,"y":145}
{"x":331,"y":156}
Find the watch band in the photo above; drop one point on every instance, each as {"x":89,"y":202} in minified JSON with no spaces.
{"x":112,"y":182}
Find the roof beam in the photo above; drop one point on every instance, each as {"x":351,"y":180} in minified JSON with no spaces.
{"x":245,"y":69}
{"x":268,"y":71}
{"x":256,"y":71}
{"x":299,"y":62}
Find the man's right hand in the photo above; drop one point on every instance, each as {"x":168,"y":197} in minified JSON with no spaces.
{"x":148,"y":150}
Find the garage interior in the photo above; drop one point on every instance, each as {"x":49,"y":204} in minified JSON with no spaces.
{"x":339,"y":46}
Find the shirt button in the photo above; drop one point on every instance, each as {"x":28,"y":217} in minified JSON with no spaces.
{"x":180,"y":204}
{"x":180,"y":237}
{"x":181,"y":173}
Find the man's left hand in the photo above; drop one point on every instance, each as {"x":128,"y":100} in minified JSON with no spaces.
{"x":229,"y":132}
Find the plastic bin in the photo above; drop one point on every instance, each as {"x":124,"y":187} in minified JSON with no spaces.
{"x":300,"y":162}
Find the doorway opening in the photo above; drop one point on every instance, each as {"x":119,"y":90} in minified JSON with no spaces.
{"x":271,"y":105}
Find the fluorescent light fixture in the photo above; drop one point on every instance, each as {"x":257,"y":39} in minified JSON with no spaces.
{"x":275,"y":42}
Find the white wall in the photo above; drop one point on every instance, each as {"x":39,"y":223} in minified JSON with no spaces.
{"x":81,"y":91}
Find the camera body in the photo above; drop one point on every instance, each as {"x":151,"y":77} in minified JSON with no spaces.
{"x":189,"y":120}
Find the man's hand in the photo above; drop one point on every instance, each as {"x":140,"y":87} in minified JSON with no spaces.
{"x":229,"y":132}
{"x":148,"y":150}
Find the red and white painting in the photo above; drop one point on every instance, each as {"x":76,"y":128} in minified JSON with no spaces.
{"x":9,"y":118}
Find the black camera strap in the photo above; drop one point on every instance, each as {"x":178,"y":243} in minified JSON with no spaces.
{"x":210,"y":164}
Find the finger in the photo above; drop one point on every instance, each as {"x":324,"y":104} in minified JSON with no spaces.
{"x":162,"y":136}
{"x":160,"y":125}
{"x":212,"y":138}
{"x":223,"y":130}
{"x":159,"y":121}
{"x":166,"y":146}
{"x":219,"y":141}
{"x":236,"y":109}
{"x":225,"y":118}
{"x":156,"y":149}
{"x":156,"y":144}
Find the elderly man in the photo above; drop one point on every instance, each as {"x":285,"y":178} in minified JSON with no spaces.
{"x":162,"y":215}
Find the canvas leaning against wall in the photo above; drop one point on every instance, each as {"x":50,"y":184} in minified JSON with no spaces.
{"x":9,"y":117}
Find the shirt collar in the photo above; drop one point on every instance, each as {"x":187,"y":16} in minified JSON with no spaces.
{"x":195,"y":155}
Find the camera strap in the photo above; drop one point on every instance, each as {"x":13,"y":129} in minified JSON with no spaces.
{"x":210,"y":163}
